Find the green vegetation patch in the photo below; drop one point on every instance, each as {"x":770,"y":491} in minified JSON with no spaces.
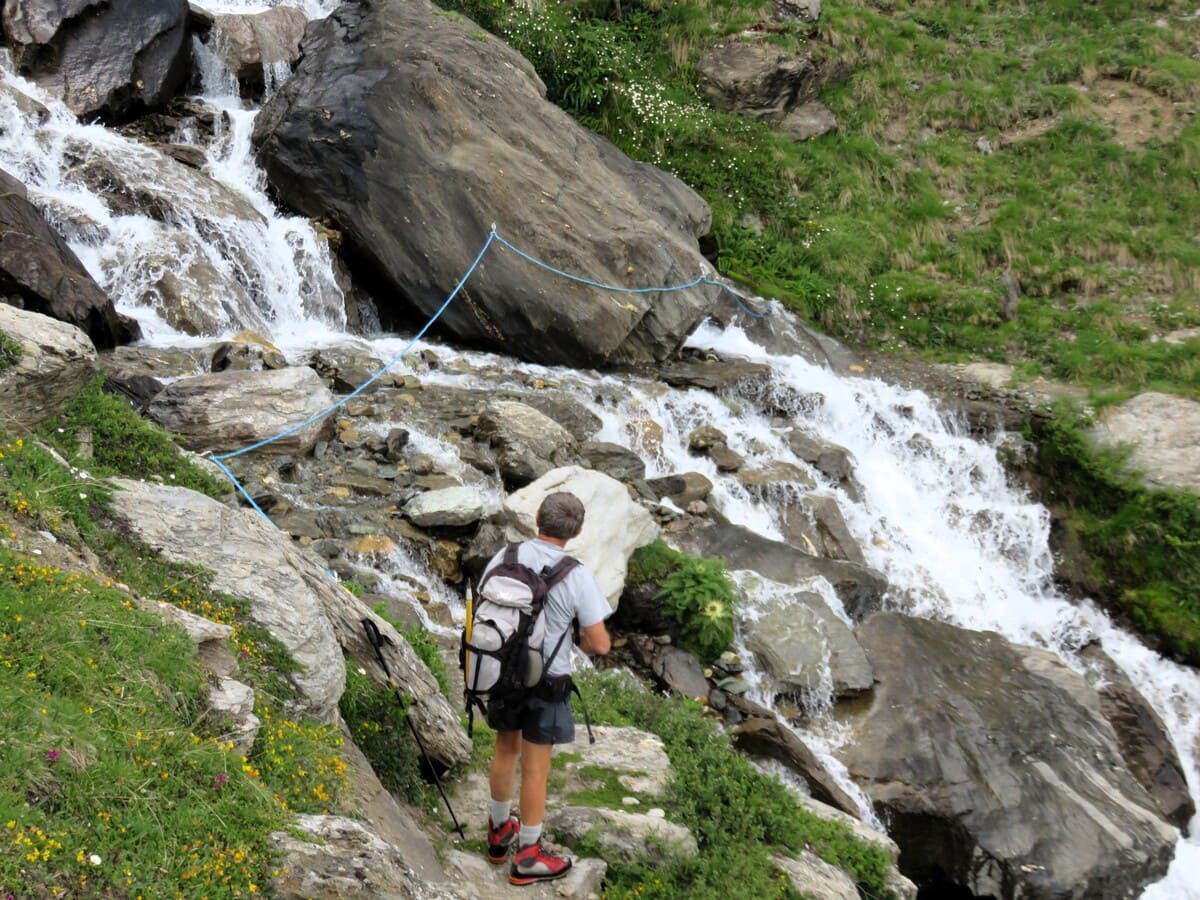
{"x":979,"y":145}
{"x":123,"y":443}
{"x":738,"y":815}
{"x":10,"y":352}
{"x":1140,"y":545}
{"x":104,"y":785}
{"x":114,"y":778}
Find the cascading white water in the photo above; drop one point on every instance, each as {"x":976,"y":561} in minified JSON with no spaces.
{"x":933,"y":512}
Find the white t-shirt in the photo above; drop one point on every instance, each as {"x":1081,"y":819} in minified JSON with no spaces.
{"x":577,"y":596}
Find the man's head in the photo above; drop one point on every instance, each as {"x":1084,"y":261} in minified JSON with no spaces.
{"x":560,"y":516}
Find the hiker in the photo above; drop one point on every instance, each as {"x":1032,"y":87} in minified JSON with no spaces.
{"x":531,"y":731}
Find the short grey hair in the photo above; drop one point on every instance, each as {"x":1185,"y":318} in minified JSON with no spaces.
{"x":560,"y":515}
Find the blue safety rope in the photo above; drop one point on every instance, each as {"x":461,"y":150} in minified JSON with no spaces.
{"x":493,"y":237}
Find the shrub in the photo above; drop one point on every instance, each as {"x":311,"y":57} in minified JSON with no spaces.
{"x":377,"y":719}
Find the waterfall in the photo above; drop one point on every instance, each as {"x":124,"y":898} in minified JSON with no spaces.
{"x":933,"y":510}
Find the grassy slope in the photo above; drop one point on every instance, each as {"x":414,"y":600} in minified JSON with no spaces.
{"x":1052,"y":143}
{"x":898,"y":230}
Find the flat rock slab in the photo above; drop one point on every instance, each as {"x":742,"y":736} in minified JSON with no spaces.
{"x":474,"y":876}
{"x":1164,"y":431}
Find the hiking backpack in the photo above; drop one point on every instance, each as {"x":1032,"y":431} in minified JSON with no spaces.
{"x":501,"y":652}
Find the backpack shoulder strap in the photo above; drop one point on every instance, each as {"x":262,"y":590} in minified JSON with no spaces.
{"x":559,"y":571}
{"x":510,"y":554}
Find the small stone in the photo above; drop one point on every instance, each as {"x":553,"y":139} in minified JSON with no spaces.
{"x":630,"y":801}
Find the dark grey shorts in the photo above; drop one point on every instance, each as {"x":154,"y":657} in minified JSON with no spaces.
{"x":539,"y":721}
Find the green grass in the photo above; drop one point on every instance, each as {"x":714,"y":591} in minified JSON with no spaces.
{"x":10,"y":352}
{"x":896,"y":231}
{"x":738,"y":815}
{"x":114,"y":779}
{"x":123,"y":443}
{"x":1141,"y":545}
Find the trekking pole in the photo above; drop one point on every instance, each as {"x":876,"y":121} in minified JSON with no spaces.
{"x":377,"y":641}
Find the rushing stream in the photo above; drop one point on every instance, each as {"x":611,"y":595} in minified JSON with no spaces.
{"x":934,"y":511}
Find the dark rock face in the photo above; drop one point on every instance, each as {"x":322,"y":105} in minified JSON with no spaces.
{"x":111,"y":59}
{"x":997,"y":769}
{"x":415,"y":132}
{"x":1143,"y":739}
{"x":38,"y":268}
{"x":860,"y":588}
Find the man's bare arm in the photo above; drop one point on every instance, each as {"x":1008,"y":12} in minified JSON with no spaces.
{"x":594,"y":640}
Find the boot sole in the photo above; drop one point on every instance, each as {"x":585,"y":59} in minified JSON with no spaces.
{"x":534,"y":879}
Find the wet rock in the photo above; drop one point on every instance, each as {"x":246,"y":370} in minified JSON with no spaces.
{"x":996,"y":768}
{"x":681,"y":489}
{"x":802,"y":644}
{"x":1143,"y":739}
{"x":332,"y":142}
{"x":454,"y":507}
{"x":247,"y":350}
{"x":37,"y":266}
{"x":833,"y":461}
{"x":248,"y":42}
{"x":860,"y":588}
{"x":704,"y":438}
{"x":726,"y":460}
{"x":613,"y":460}
{"x":681,"y":672}
{"x":227,"y":411}
{"x":112,"y":59}
{"x":527,"y":444}
{"x":55,"y":363}
{"x":721,"y":374}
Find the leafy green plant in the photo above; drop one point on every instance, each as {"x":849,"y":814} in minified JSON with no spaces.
{"x":10,"y":352}
{"x":123,"y":443}
{"x":651,"y":563}
{"x":700,"y":595}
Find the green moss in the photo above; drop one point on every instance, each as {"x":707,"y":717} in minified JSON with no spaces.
{"x":1140,"y":545}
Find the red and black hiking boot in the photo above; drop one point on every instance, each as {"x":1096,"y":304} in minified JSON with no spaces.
{"x":501,"y":840}
{"x":532,"y":864}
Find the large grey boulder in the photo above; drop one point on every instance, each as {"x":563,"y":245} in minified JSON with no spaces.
{"x":249,"y":42}
{"x":613,"y":526}
{"x":757,"y":78}
{"x":56,"y":360}
{"x":859,"y":587}
{"x":997,"y":769}
{"x":1163,"y":431}
{"x":415,"y":132}
{"x":226,"y":411}
{"x":294,"y":598}
{"x":801,"y":642}
{"x":527,"y":443}
{"x":38,"y":267}
{"x":112,"y":59}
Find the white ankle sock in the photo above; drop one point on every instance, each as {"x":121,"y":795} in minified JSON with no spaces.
{"x":529,"y":835}
{"x":498,"y":811}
